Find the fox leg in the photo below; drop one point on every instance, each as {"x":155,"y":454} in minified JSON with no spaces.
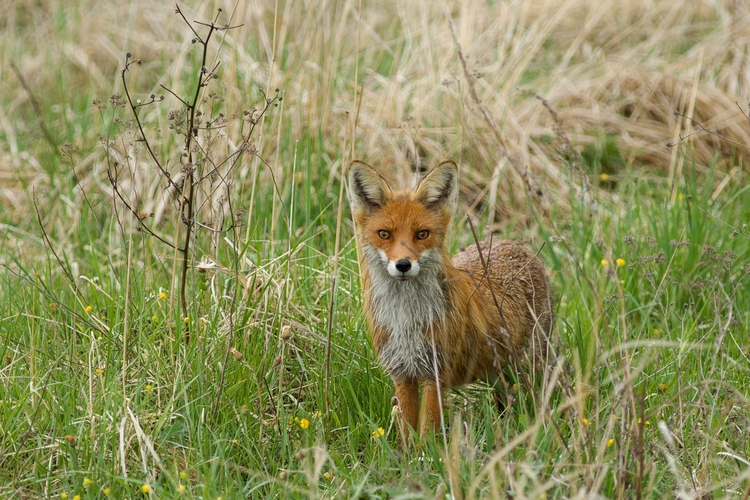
{"x":431,"y":406}
{"x":407,"y":395}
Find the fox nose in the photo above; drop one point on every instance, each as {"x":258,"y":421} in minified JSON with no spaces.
{"x":403,"y":266}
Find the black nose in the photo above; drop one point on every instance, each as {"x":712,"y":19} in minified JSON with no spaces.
{"x":403,"y":266}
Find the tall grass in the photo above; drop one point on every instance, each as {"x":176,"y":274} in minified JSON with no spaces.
{"x":648,"y":393}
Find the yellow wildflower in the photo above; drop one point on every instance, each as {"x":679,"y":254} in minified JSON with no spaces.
{"x":187,"y":319}
{"x":183,"y":474}
{"x":610,"y":442}
{"x":620,"y":262}
{"x":87,"y":482}
{"x":378,"y":432}
{"x":100,"y":371}
{"x":145,"y":488}
{"x":63,"y":495}
{"x":106,"y":491}
{"x":181,"y":489}
{"x":304,"y":423}
{"x":162,"y":296}
{"x":603,"y":177}
{"x":605,"y":262}
{"x":89,"y":309}
{"x":585,"y":421}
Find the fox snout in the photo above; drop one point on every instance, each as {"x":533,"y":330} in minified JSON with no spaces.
{"x":402,"y":268}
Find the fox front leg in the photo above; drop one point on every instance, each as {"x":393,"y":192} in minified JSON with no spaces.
{"x":407,"y":399}
{"x":431,"y":407}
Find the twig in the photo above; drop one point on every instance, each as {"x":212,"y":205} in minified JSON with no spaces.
{"x":485,"y":114}
{"x":37,"y":108}
{"x":743,"y":231}
{"x":49,"y":243}
{"x":701,"y":128}
{"x":499,"y":305}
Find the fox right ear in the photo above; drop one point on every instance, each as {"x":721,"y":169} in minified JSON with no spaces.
{"x":367,"y":189}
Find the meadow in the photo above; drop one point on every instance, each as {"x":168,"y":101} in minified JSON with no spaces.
{"x":180,"y":305}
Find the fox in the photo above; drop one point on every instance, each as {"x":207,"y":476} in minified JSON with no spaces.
{"x":438,"y":322}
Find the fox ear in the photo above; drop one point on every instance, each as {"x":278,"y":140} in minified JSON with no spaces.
{"x":367,"y":189}
{"x":439,"y":189}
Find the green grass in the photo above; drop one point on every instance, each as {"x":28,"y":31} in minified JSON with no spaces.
{"x":649,"y":391}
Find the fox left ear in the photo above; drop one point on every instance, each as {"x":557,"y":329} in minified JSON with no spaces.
{"x":440,"y":187}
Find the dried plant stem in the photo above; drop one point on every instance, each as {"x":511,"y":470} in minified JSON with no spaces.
{"x":126,"y":325}
{"x":337,"y":242}
{"x":37,"y":109}
{"x":485,"y":114}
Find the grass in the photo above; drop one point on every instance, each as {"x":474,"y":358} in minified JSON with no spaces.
{"x":649,"y":394}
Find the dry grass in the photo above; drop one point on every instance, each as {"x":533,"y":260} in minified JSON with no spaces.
{"x":605,"y":67}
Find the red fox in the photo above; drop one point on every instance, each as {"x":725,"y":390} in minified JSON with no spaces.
{"x":438,"y":323}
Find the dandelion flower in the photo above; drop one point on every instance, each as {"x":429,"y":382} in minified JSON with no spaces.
{"x":106,"y":491}
{"x":603,"y":177}
{"x":605,"y":262}
{"x":585,"y":421}
{"x":145,"y":488}
{"x":162,"y":296}
{"x":148,"y":388}
{"x":620,"y":262}
{"x":183,"y":474}
{"x":89,"y":309}
{"x":304,"y":423}
{"x":77,"y":497}
{"x":610,"y":442}
{"x":187,"y":319}
{"x":87,"y":482}
{"x":63,"y":495}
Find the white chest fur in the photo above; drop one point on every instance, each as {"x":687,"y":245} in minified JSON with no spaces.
{"x":406,"y":309}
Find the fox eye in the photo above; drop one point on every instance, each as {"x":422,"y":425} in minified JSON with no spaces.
{"x":423,"y":234}
{"x":384,"y":235}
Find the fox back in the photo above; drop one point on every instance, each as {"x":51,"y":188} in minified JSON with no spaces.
{"x":436,"y":321}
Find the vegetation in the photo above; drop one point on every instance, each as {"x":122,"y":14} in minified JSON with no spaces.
{"x":245,"y":370}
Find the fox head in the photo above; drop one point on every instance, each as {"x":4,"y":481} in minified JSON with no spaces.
{"x":404,"y":230}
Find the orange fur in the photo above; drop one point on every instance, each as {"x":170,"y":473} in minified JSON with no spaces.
{"x":438,"y":323}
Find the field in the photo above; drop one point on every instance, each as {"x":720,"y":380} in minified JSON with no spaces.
{"x":180,"y":304}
